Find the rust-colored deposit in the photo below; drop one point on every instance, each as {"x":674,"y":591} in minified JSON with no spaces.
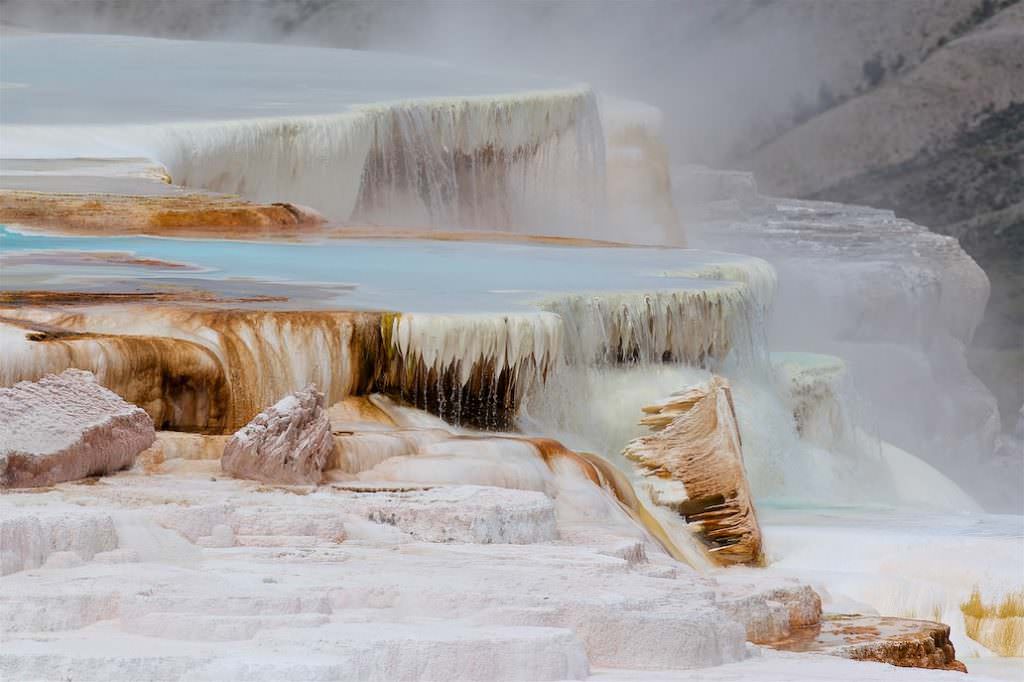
{"x":87,"y":258}
{"x":206,"y":215}
{"x":693,"y":465}
{"x":39,"y":297}
{"x":897,"y":641}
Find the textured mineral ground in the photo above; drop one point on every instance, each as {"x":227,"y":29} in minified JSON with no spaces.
{"x":390,"y":568}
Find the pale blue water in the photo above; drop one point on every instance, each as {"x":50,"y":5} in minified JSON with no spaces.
{"x":105,"y":79}
{"x":410,"y":275}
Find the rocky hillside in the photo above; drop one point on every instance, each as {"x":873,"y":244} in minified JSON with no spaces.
{"x":941,"y":142}
{"x":939,"y":138}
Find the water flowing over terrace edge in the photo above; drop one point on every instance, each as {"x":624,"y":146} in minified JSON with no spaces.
{"x":212,"y":370}
{"x":525,"y":162}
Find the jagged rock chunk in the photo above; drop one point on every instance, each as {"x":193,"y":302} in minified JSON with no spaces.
{"x":694,"y":466}
{"x":65,"y":427}
{"x":289,"y":442}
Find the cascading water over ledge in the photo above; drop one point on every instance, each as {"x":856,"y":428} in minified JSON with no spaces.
{"x":207,"y":363}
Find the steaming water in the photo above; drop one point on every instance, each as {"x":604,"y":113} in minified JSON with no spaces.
{"x":357,"y":136}
{"x":899,"y":304}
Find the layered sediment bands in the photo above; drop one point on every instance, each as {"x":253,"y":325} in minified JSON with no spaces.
{"x":693,"y":465}
{"x":998,"y":625}
{"x":81,"y":298}
{"x":897,"y":641}
{"x":204,"y":215}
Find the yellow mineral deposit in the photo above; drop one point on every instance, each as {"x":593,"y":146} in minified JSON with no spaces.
{"x":999,"y":624}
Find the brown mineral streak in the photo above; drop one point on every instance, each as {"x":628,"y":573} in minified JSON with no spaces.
{"x":698,"y":444}
{"x":89,"y":258}
{"x":223,"y":365}
{"x":188,"y":214}
{"x":595,"y":468}
{"x":604,"y":475}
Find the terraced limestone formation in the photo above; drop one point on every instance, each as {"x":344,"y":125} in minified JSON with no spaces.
{"x":467,"y":512}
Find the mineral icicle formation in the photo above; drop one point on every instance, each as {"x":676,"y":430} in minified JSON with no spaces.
{"x":289,"y":442}
{"x":65,"y":427}
{"x":211,"y":367}
{"x":693,"y":465}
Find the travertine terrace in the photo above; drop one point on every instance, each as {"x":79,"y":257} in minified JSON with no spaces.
{"x":439,"y":394}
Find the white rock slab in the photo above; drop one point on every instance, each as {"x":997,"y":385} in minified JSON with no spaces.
{"x":66,"y":427}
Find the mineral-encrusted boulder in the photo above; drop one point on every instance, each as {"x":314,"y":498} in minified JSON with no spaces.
{"x":694,"y":466}
{"x":290,"y":442}
{"x":66,"y":427}
{"x":901,"y":642}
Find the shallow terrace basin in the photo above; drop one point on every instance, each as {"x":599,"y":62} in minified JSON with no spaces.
{"x":359,"y":136}
{"x":408,"y":275}
{"x":221,"y":329}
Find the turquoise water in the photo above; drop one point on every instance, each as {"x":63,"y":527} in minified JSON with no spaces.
{"x":413,"y":275}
